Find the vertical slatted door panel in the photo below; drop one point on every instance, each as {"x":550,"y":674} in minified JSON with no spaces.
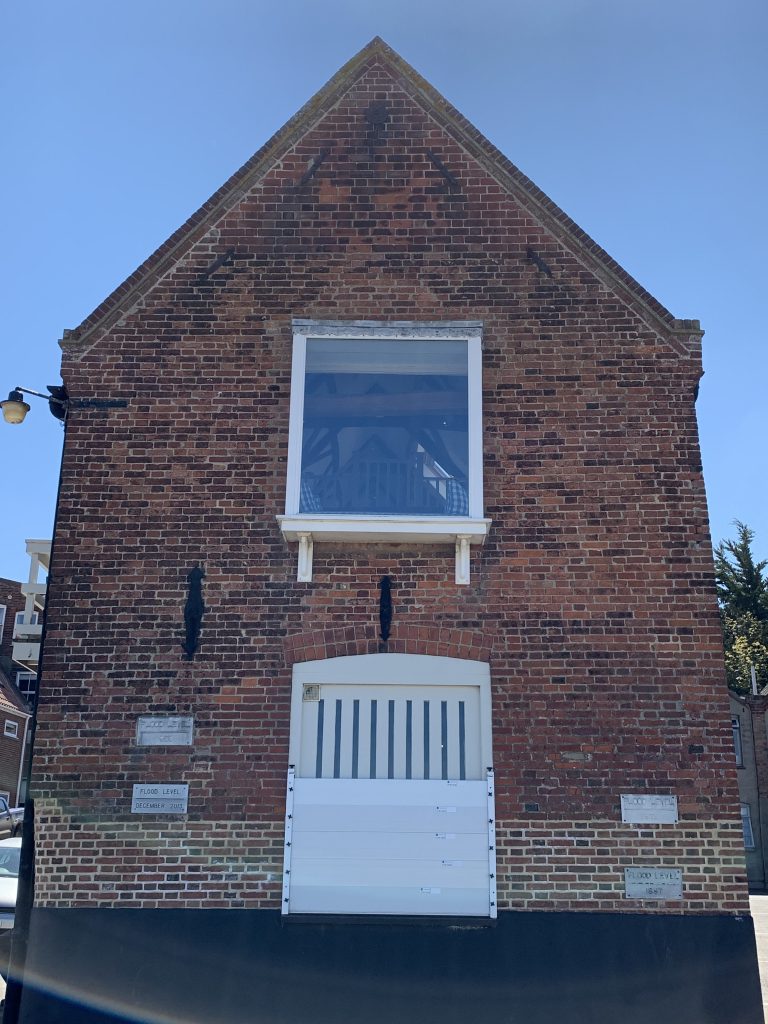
{"x":390,"y":803}
{"x":391,"y":732}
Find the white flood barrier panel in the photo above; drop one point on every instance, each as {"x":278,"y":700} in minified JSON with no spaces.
{"x":377,"y":846}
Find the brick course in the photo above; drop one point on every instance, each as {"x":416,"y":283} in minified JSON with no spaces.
{"x":593,"y":597}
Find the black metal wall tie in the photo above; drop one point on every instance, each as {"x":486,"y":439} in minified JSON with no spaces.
{"x":193,"y":611}
{"x":534,"y":257}
{"x":385,"y":607}
{"x":453,"y":182}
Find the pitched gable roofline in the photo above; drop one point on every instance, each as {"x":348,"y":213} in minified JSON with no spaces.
{"x":684,"y":335}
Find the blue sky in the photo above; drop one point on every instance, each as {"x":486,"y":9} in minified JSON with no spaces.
{"x":645,"y":121}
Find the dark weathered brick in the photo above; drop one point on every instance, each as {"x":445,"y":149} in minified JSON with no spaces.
{"x":592,"y":598}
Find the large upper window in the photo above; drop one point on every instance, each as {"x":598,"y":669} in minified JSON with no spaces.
{"x":386,"y":433}
{"x":385,"y":427}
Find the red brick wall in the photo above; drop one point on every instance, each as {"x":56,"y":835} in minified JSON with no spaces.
{"x":592,"y":598}
{"x":13,"y":599}
{"x":11,"y":751}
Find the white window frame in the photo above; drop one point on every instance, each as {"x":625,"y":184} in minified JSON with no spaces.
{"x":20,"y":619}
{"x":2,"y":620}
{"x":32,"y":676}
{"x":746,"y":824}
{"x":738,"y":746}
{"x":11,"y":729}
{"x":460,"y":530}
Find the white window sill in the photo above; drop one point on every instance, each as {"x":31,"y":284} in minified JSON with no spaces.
{"x":459,"y":530}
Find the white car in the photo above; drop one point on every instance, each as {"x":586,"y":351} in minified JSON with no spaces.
{"x":10,"y":853}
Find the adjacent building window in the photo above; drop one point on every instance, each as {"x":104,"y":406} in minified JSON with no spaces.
{"x":26,"y":684}
{"x":746,"y":824}
{"x":31,"y":620}
{"x":2,"y":620}
{"x":11,"y":729}
{"x":737,"y":747}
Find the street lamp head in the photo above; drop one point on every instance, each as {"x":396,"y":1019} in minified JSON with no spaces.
{"x":14,"y":407}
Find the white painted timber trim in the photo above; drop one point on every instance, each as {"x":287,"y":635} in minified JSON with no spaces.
{"x":288,"y":849}
{"x":384,"y":669}
{"x":475,"y":424}
{"x":387,"y":529}
{"x":307,"y":529}
{"x":463,"y":541}
{"x":492,"y":897}
{"x":296,"y":423}
{"x":304,"y":571}
{"x":393,"y":669}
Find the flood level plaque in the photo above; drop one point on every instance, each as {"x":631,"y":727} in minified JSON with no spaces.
{"x":648,"y":808}
{"x":653,"y":883}
{"x":160,"y":798}
{"x":164,"y":730}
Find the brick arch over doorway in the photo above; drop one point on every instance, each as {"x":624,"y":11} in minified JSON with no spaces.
{"x":364,"y":639}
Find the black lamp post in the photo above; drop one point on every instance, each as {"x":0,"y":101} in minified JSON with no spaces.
{"x":15,"y":410}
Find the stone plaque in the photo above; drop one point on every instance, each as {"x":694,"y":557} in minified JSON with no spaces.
{"x":160,"y":798}
{"x":648,"y":808}
{"x":164,"y":730}
{"x":653,"y":883}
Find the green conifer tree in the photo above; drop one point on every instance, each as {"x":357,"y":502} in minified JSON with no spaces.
{"x":742,"y":592}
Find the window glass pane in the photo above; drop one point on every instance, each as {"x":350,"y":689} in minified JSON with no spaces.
{"x":27,"y":684}
{"x":22,"y":620}
{"x":385,"y":428}
{"x":736,"y":727}
{"x":746,"y":822}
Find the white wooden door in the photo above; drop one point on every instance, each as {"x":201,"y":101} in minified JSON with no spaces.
{"x":389,"y":800}
{"x":390,"y":732}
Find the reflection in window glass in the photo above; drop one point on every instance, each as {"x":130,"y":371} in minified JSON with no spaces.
{"x":9,"y":862}
{"x":746,"y":822}
{"x":385,"y":428}
{"x":737,"y":748}
{"x":27,"y":685}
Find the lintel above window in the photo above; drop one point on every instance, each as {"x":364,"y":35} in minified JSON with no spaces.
{"x":385,"y":437}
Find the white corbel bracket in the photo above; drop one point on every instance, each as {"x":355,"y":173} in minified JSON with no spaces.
{"x":304,"y":574}
{"x":462,"y":559}
{"x":306,"y":529}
